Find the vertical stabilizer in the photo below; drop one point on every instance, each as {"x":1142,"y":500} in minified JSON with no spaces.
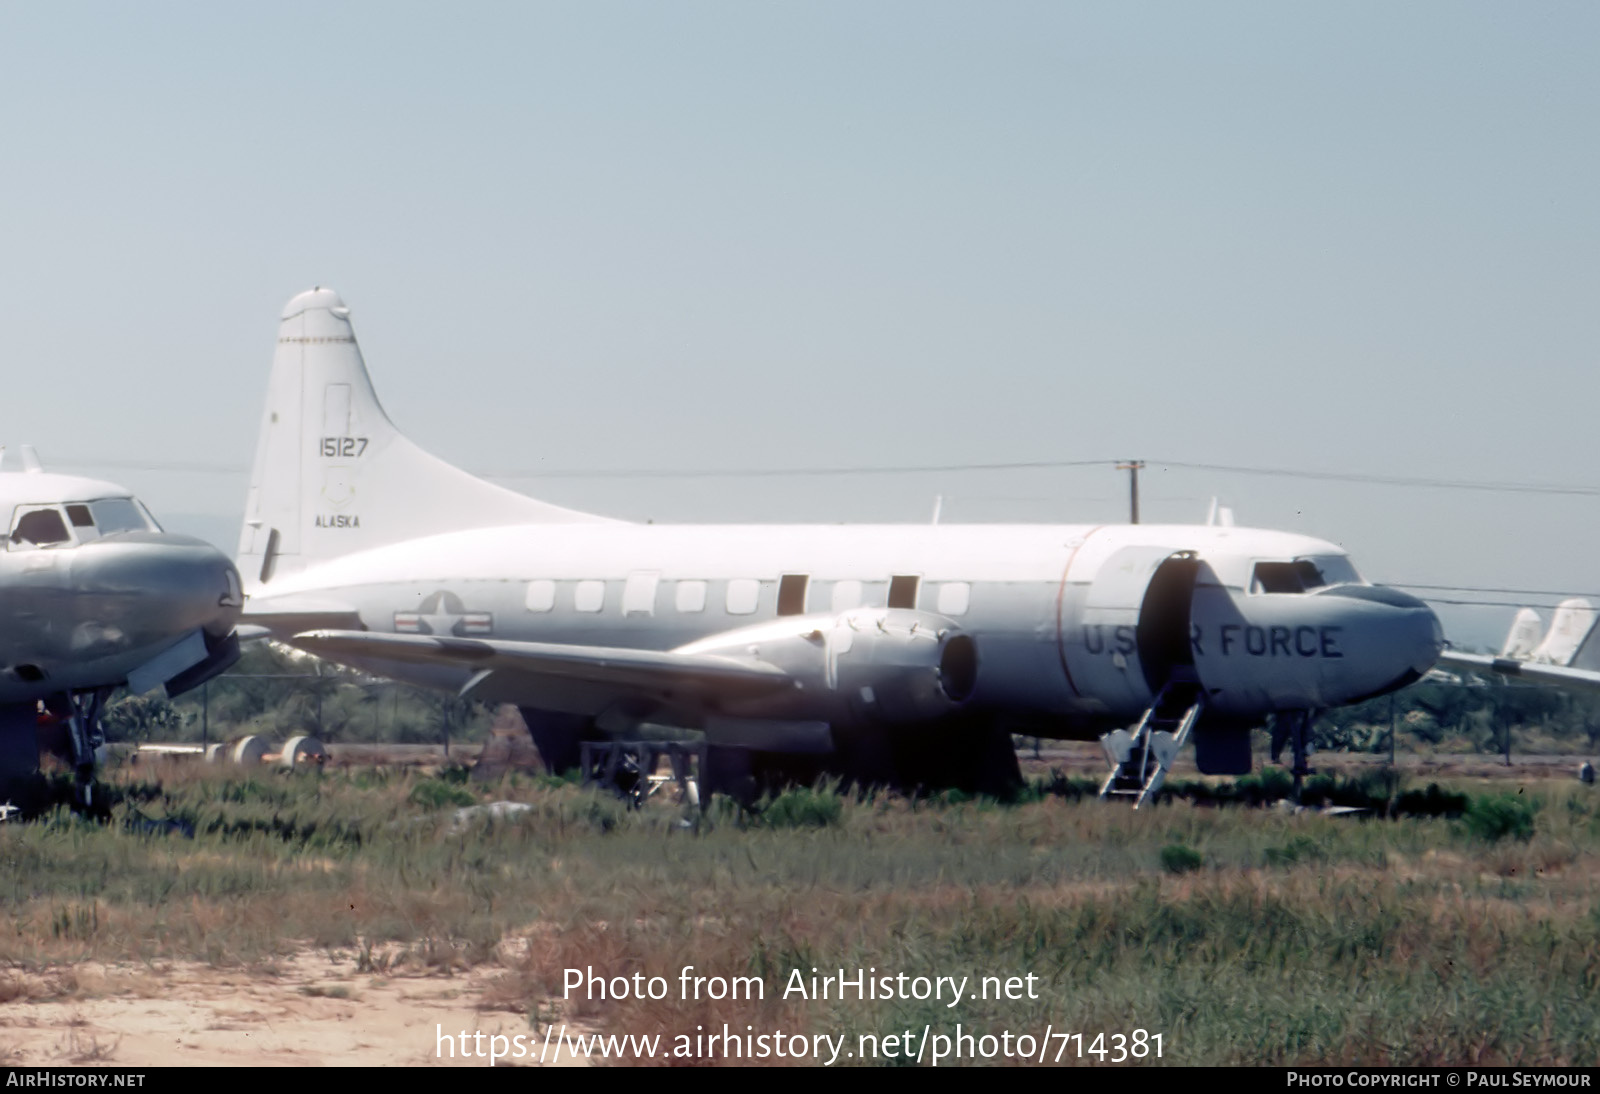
{"x":1526,"y":630}
{"x":332,"y":475}
{"x":1587,"y":656}
{"x":1573,"y":621}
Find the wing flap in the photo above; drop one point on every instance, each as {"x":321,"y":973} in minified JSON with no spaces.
{"x":286,"y":615}
{"x":644,"y":673}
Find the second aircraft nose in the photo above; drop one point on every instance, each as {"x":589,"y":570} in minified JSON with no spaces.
{"x":157,"y":582}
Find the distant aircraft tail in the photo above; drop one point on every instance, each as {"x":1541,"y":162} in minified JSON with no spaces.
{"x":1573,"y":621}
{"x":1526,"y":630}
{"x":1587,"y":654}
{"x":1219,"y":515}
{"x":333,"y":475}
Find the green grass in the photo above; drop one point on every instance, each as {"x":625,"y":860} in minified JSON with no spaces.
{"x":1242,"y":935}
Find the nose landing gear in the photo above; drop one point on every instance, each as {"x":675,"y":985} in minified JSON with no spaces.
{"x":1294,"y":729}
{"x":81,"y":712}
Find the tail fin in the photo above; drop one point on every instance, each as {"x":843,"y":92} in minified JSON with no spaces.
{"x":1526,"y":630}
{"x":1573,"y":621}
{"x":333,"y":475}
{"x":1587,"y":656}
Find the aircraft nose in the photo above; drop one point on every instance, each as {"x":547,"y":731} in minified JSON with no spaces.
{"x":1421,"y":637}
{"x":160,"y":581}
{"x":1400,"y":637}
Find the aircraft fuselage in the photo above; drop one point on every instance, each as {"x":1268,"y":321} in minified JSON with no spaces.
{"x":1075,"y":626}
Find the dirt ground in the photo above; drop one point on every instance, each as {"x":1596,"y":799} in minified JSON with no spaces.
{"x":312,"y":1009}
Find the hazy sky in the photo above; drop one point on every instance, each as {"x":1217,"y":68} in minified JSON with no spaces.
{"x":1353,"y":238}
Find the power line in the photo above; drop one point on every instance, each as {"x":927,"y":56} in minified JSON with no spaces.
{"x":1395,"y":480}
{"x":792,"y":472}
{"x":1484,"y":603}
{"x":1486,"y":589}
{"x":1423,"y":482}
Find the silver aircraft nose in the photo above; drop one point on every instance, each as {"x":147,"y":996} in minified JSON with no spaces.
{"x":1395,"y":639}
{"x":152,"y":583}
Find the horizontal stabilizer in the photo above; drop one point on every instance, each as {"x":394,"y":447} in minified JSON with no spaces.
{"x":1560,"y":675}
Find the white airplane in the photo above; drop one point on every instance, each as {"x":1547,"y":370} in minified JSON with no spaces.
{"x":95,"y":596}
{"x":906,"y":653}
{"x":1567,"y":655}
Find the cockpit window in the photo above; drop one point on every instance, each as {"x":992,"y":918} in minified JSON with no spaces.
{"x":1280,"y":577}
{"x":149,"y":518}
{"x":40,"y":528}
{"x":1335,"y":570}
{"x":113,"y":515}
{"x":1302,"y":575}
{"x":45,"y":525}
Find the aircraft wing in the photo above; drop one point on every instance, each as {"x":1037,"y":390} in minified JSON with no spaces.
{"x":288,"y":614}
{"x":646,"y":674}
{"x":1527,"y":670}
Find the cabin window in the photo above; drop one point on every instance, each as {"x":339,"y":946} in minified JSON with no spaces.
{"x":590,"y":596}
{"x":639,"y":594}
{"x":691,"y":596}
{"x":541,"y":596}
{"x":954,"y":596}
{"x":40,"y":528}
{"x":744,"y":595}
{"x":846,"y":595}
{"x":903,"y":590}
{"x":792,"y":594}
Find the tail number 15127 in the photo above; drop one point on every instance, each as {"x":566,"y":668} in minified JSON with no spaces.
{"x":343,"y":446}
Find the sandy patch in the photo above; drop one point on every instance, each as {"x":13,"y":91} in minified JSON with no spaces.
{"x":312,"y":1009}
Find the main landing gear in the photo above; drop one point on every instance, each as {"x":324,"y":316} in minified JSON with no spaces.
{"x":1294,"y":729}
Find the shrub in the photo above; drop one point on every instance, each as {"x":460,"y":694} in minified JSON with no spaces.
{"x":1432,"y":802}
{"x":803,"y":807}
{"x":438,"y":794}
{"x":1178,"y":859}
{"x":455,"y":774}
{"x":1494,"y":817}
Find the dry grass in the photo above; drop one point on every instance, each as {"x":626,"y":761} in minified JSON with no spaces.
{"x":1300,"y":939}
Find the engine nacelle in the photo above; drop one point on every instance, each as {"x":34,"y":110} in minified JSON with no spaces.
{"x":888,"y":665}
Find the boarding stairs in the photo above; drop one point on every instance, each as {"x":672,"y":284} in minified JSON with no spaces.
{"x":1141,"y":759}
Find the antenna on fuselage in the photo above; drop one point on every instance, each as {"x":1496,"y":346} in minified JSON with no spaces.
{"x":30,"y":459}
{"x":1219,"y":515}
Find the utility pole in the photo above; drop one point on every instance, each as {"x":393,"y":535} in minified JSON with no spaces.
{"x":1133,"y":466}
